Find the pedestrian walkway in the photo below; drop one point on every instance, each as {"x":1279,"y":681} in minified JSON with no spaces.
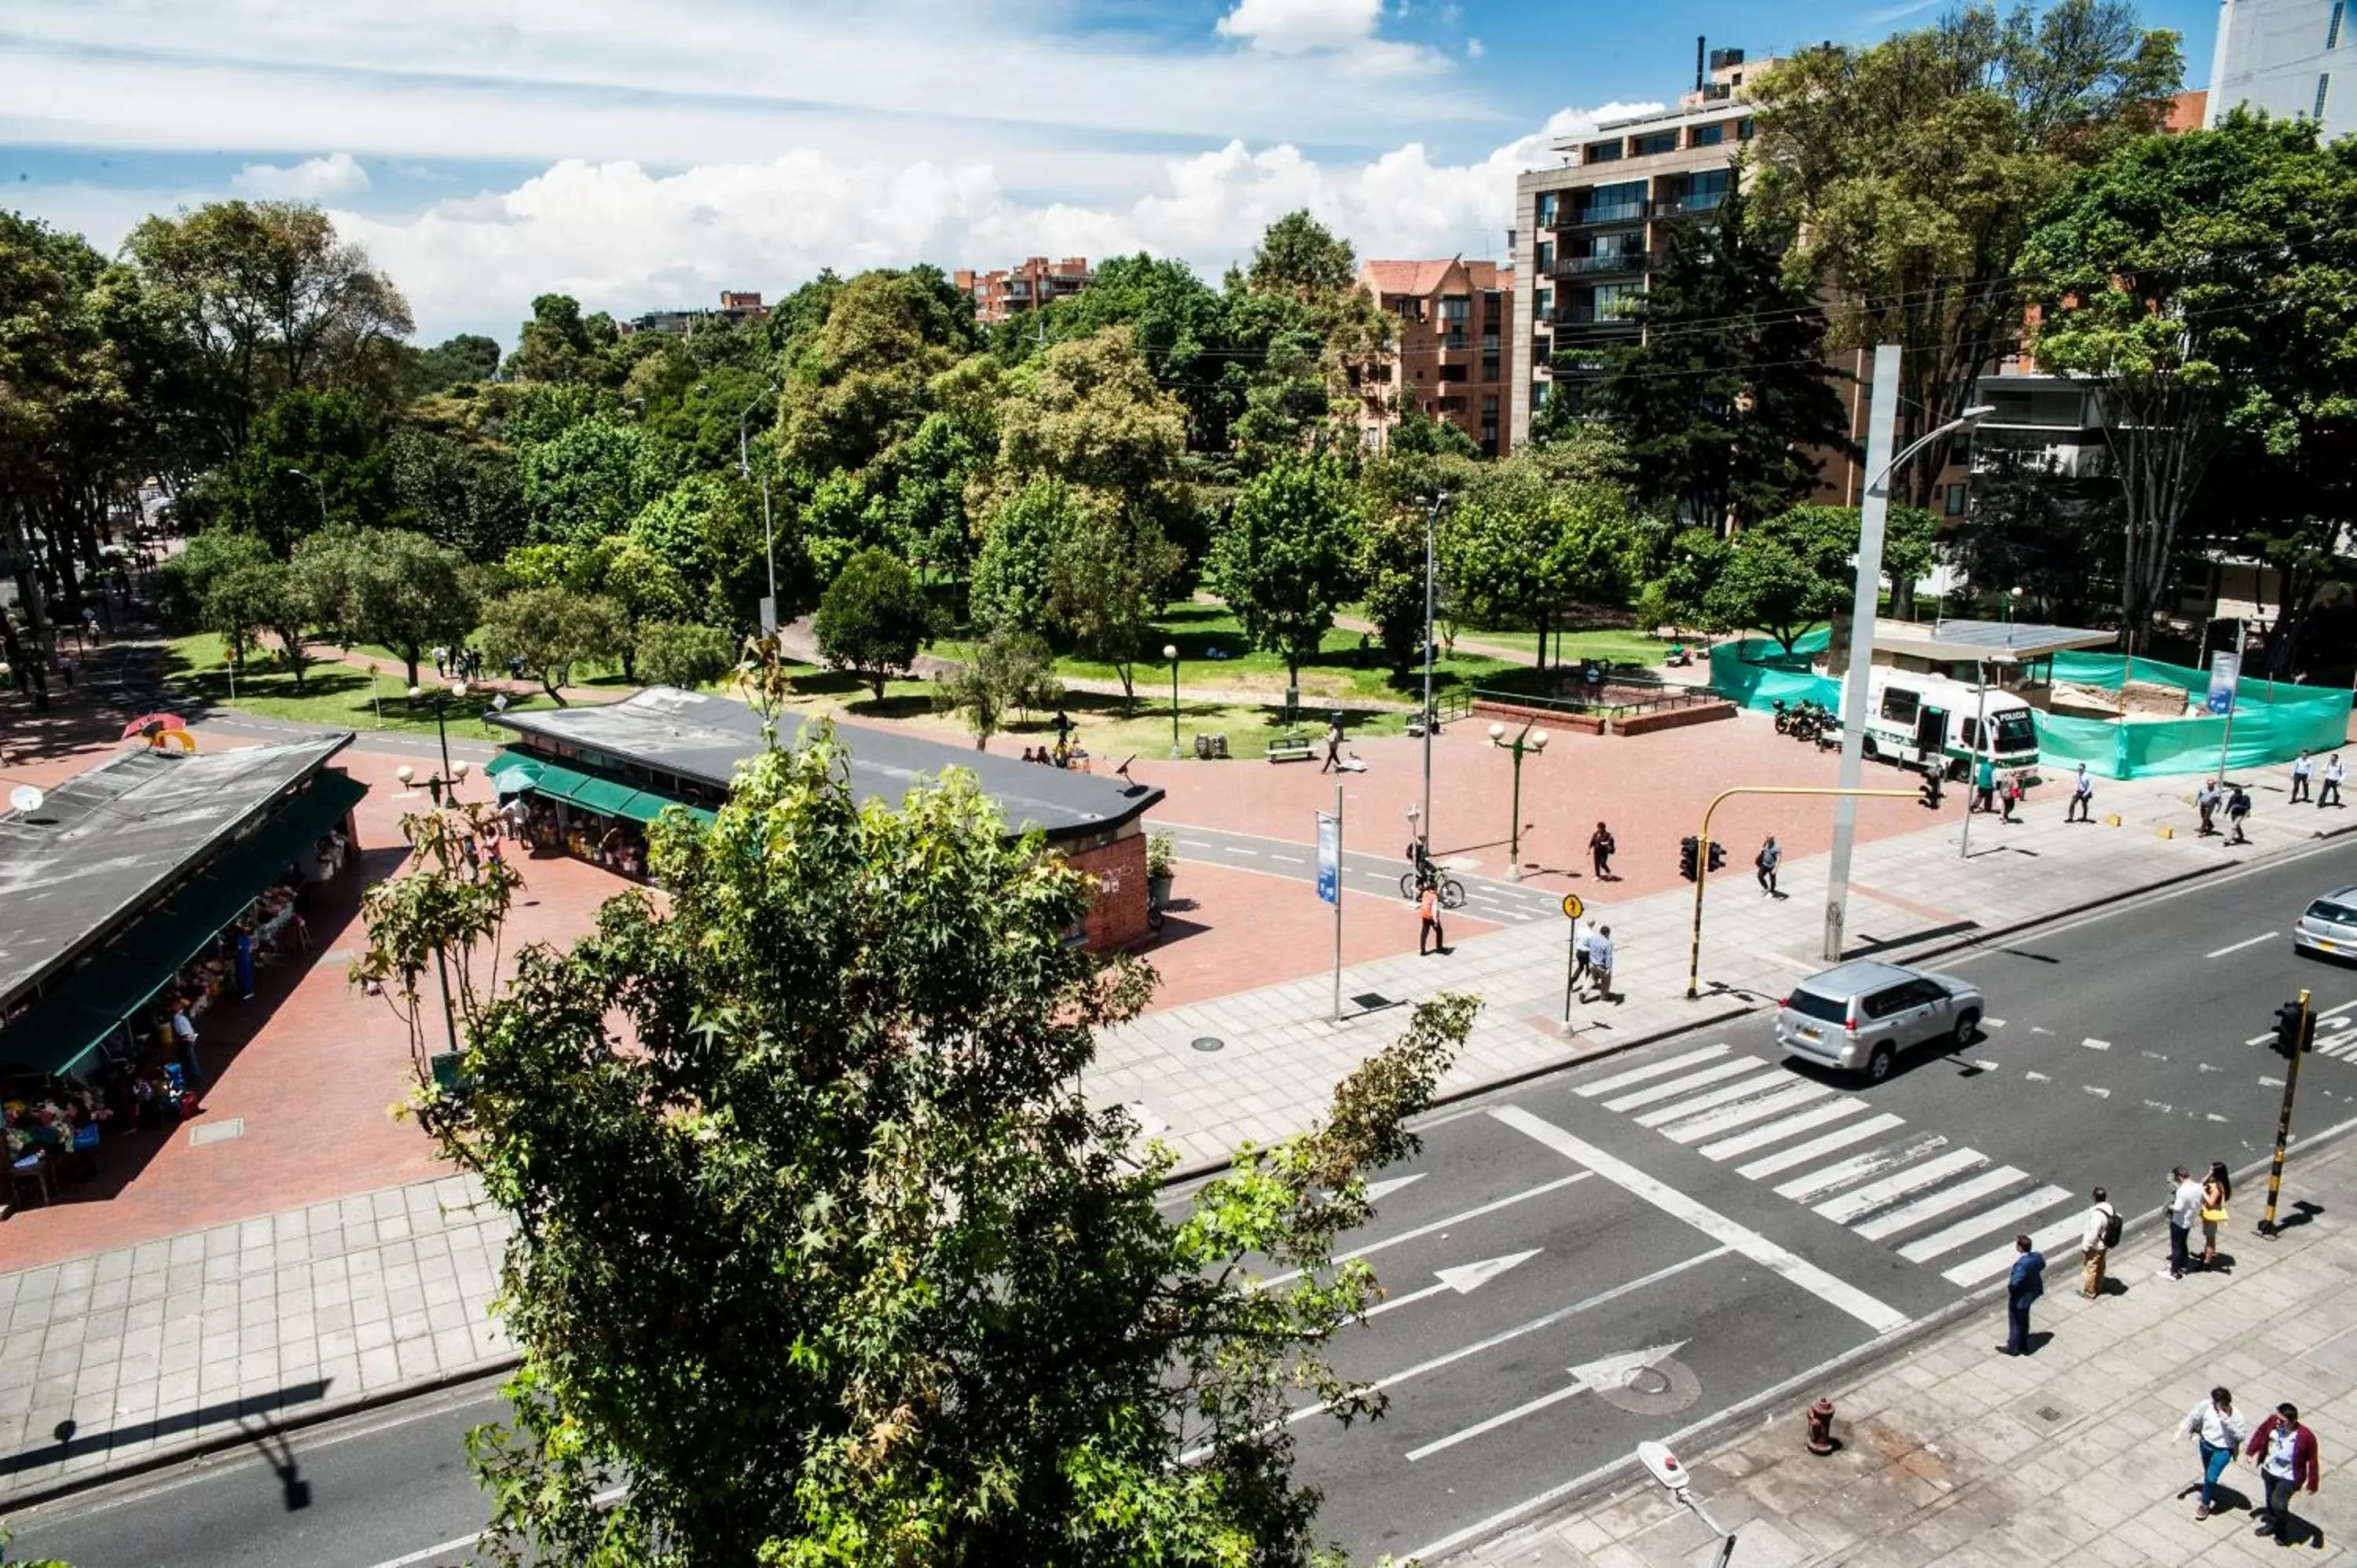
{"x":1957,"y":1456}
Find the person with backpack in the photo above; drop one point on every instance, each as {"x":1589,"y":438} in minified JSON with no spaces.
{"x":1771,"y":856}
{"x":2023,"y":1286}
{"x":2102,"y":1235}
{"x":2217,"y":1432}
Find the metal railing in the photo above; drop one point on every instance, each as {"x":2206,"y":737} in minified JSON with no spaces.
{"x":1602,"y":212}
{"x":1701,"y":201}
{"x":1606,"y":262}
{"x":1670,"y":699}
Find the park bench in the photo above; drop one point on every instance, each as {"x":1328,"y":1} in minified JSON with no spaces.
{"x":1289,"y":749}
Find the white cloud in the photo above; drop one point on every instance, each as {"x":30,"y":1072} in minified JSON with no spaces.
{"x":313,"y":179}
{"x":1293,"y":26}
{"x":1473,"y":49}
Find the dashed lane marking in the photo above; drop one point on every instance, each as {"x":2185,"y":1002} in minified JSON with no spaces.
{"x":1288,"y":859}
{"x":2037,"y":1077}
{"x":2246,"y":942}
{"x":1997,"y":1024}
{"x":2098,"y":1094}
{"x":2156,"y":1105}
{"x":2096,"y":1044}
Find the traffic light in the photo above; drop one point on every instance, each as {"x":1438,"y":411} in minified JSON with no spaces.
{"x":2291,"y":1021}
{"x":1931,"y":788}
{"x":1718,"y":856}
{"x":1688,"y":848}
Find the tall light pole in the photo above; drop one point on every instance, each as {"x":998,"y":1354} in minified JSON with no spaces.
{"x":1529,"y":742}
{"x":317,"y":489}
{"x":1171,"y":651}
{"x":1431,"y":605}
{"x":1873,"y":512}
{"x":768,"y":534}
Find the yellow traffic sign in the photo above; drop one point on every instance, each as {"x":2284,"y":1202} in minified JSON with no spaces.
{"x":1572,"y":907}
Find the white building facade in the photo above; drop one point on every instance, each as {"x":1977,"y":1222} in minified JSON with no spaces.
{"x":2295,"y":59}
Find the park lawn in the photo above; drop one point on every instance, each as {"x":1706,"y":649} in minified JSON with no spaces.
{"x":1608,"y":646}
{"x":333,"y":694}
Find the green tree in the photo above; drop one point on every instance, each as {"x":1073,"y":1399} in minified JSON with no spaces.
{"x":2030,"y":527}
{"x":591,"y":478}
{"x":454,"y":362}
{"x":464,"y":494}
{"x":258,"y":597}
{"x":1298,"y":255}
{"x":552,"y":630}
{"x":1289,"y":556}
{"x":313,"y":460}
{"x":820,"y":1253}
{"x":873,"y":617}
{"x":860,"y":385}
{"x":184,"y":580}
{"x":708,"y":531}
{"x":674,"y":653}
{"x":558,"y":344}
{"x":1791,"y":571}
{"x":2203,"y":283}
{"x":1020,"y":537}
{"x":1108,"y":580}
{"x":1910,"y":170}
{"x":1726,"y":397}
{"x":1009,"y":670}
{"x":1180,"y":325}
{"x":386,"y":585}
{"x":1523,"y":548}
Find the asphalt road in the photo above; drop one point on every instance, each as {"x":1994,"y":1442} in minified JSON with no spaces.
{"x":1622,"y":1251}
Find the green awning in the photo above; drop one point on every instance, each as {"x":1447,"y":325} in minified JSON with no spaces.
{"x":645,"y":805}
{"x":512,"y":771}
{"x":68,"y":1024}
{"x":603,"y":796}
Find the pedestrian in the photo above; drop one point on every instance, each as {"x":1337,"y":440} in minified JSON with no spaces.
{"x":441,"y":659}
{"x":2216,"y":1188}
{"x":244,"y":955}
{"x":1582,"y":934}
{"x":1333,"y":744}
{"x":1599,"y":964}
{"x":2303,"y":769}
{"x":2095,"y":1244}
{"x":2205,"y":802}
{"x":2011,"y":794}
{"x":1600,"y":852}
{"x":1984,"y":785}
{"x":1769,"y":857}
{"x":184,"y":1037}
{"x":2217,"y":1432}
{"x":2330,"y":794}
{"x":2184,"y":1208}
{"x":2286,"y":1452}
{"x":1026,"y":754}
{"x":2238,"y":809}
{"x":2024,"y":1285}
{"x":1428,"y":911}
{"x":2083,"y":798}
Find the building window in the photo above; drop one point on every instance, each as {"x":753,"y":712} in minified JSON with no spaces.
{"x":1490,"y":359}
{"x":2332,"y":27}
{"x":1708,"y":135}
{"x":1743,"y":129}
{"x":1617,"y":301}
{"x":1493,"y":306}
{"x":1456,"y":372}
{"x":1451,"y":406}
{"x":1645,"y":146}
{"x":1543,"y":304}
{"x":1542,"y":257}
{"x":2323,"y":91}
{"x":1549,"y":202}
{"x":1601,"y":153}
{"x":1955,"y":500}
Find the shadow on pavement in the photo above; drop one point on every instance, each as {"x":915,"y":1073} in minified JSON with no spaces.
{"x":72,"y":1442}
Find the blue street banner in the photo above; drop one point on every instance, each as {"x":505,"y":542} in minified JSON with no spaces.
{"x":2225,"y":668}
{"x":1329,"y":858}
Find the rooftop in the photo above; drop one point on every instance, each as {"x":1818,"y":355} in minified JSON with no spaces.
{"x":107,"y":843}
{"x":2001,"y":642}
{"x":704,"y":737}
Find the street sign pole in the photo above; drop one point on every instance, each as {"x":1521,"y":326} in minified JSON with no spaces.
{"x":1874,"y":509}
{"x":1330,"y":884}
{"x":1572,"y":908}
{"x":2225,"y":681}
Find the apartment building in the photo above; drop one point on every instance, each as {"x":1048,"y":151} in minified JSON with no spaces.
{"x":1011,"y":291}
{"x":735,"y":305}
{"x":2283,"y":56}
{"x":1590,"y":231}
{"x":1448,"y":357}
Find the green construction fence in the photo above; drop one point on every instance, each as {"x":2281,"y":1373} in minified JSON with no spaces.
{"x":2273,"y":721}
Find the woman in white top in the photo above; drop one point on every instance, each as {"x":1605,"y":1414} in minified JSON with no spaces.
{"x":2217,"y":1432}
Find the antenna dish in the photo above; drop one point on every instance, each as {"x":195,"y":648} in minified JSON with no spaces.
{"x":25,"y":798}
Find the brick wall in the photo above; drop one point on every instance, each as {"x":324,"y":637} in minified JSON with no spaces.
{"x":1117,"y":917}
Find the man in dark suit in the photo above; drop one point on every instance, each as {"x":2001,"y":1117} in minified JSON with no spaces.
{"x":2026,"y":1285}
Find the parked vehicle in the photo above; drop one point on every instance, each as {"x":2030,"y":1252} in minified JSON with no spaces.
{"x":1930,"y":721}
{"x":1858,"y":1016}
{"x":2328,"y":926}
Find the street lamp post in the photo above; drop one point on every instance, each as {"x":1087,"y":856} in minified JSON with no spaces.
{"x":768,"y":534}
{"x":1431,"y":529}
{"x":1171,"y":651}
{"x":1528,"y":743}
{"x":317,"y":488}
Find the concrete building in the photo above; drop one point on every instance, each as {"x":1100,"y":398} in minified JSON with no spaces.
{"x":1448,"y":355}
{"x":1588,"y":231}
{"x":1011,"y":291}
{"x":2283,"y":56}
{"x":736,"y":305}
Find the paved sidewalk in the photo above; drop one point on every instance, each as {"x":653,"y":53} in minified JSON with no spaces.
{"x":1957,"y":1456}
{"x":111,"y":1359}
{"x":1277,"y":1056}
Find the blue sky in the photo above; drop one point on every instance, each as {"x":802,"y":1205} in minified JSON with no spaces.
{"x":637,"y":155}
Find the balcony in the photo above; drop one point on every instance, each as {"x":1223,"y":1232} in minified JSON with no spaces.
{"x":1600,"y":212}
{"x":1631,"y":261}
{"x":1591,"y":323}
{"x":1697,"y":201}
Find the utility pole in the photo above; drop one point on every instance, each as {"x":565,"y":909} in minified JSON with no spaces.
{"x":769,"y":533}
{"x":1431,"y":607}
{"x":1874,"y":510}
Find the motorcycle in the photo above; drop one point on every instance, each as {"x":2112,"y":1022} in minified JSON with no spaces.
{"x":1679,"y":657}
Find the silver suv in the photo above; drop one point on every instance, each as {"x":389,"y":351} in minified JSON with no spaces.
{"x":1860,"y":1015}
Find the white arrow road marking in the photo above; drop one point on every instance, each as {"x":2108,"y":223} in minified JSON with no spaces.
{"x":1379,"y":1191}
{"x":1464,"y":1279}
{"x":1474,"y":1213}
{"x":2037,"y":1078}
{"x":1611,"y":1372}
{"x":2246,"y":942}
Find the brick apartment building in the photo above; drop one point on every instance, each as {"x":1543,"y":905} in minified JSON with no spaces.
{"x":1455,"y":324}
{"x":735,"y":305}
{"x":1011,"y":291}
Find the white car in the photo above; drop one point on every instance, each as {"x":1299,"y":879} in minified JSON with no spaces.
{"x":2328,"y":926}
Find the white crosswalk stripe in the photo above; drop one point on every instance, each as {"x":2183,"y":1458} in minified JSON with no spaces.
{"x":1692,"y":1081}
{"x":1864,"y":1170}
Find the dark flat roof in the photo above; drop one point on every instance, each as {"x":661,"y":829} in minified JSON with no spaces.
{"x":104,"y":844}
{"x":704,"y":737}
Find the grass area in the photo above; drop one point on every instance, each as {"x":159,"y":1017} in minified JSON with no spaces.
{"x":1347,"y":670}
{"x":589,"y":673}
{"x":1609,"y":647}
{"x":332,"y":693}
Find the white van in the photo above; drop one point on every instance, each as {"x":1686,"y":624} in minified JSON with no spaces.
{"x":1913,"y":719}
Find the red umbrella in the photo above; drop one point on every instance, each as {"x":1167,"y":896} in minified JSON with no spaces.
{"x":153,"y":724}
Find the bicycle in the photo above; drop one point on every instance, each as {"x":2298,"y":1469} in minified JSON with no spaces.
{"x":1452,"y":892}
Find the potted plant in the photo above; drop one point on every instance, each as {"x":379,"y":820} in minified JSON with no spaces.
{"x":1161,"y":865}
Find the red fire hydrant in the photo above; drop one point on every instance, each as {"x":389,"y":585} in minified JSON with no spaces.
{"x":1821,"y":1426}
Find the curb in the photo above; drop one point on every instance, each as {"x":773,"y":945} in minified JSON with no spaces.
{"x":164,"y":1457}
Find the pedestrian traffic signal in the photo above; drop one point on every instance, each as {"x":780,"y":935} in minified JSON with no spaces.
{"x":1718,"y":855}
{"x":1688,"y":854}
{"x":2291,"y":1029}
{"x":1930,"y":789}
